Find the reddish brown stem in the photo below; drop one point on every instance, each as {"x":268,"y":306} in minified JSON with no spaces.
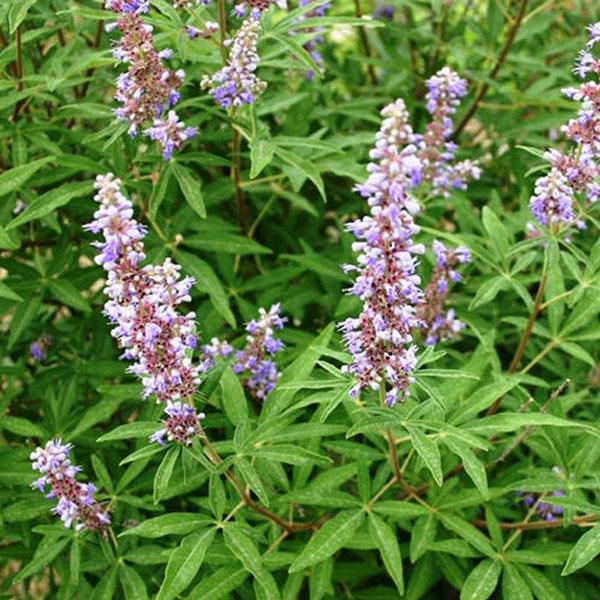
{"x":18,"y":72}
{"x":364,"y":39}
{"x":483,"y":90}
{"x":580,"y":521}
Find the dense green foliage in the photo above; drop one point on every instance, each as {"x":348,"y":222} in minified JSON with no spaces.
{"x":305,"y":498}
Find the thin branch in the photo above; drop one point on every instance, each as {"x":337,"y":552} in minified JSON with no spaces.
{"x":483,"y":90}
{"x":365,"y":43}
{"x":583,"y":521}
{"x":516,"y":360}
{"x":18,"y":72}
{"x":236,"y":177}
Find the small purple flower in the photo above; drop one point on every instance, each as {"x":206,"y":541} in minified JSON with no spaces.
{"x":210,"y":352}
{"x":311,"y":46}
{"x":260,"y":373}
{"x":171,"y":133}
{"x":181,"y":425}
{"x":76,"y":503}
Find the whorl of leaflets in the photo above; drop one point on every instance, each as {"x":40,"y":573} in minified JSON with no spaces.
{"x":575,"y":173}
{"x":380,"y":339}
{"x":143,"y":306}
{"x":437,"y":324}
{"x":260,"y":372}
{"x":76,"y":503}
{"x":236,"y":83}
{"x":147,"y":89}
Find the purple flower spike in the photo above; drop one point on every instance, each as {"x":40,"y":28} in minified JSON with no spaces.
{"x":436,"y":323}
{"x":148,"y":88}
{"x":76,"y":503}
{"x":380,"y":339}
{"x":445,"y":90}
{"x":261,"y":373}
{"x":143,"y":301}
{"x":574,"y":174}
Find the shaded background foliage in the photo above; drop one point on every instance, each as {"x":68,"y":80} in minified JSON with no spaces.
{"x":304,"y":142}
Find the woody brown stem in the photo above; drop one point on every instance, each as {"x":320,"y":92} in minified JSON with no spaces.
{"x":483,"y":89}
{"x":365,"y":43}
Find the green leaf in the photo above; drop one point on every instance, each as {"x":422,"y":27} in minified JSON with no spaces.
{"x":329,"y":539}
{"x":6,"y":292}
{"x":133,"y":585}
{"x":137,"y":429}
{"x":320,"y":580}
{"x":14,"y":178}
{"x":430,"y":453}
{"x":496,"y":232}
{"x":74,"y":562}
{"x":513,"y":585}
{"x":159,"y":190}
{"x":584,"y":551}
{"x":261,"y":155}
{"x":290,"y":454}
{"x":190,"y":187}
{"x":468,"y":532}
{"x":18,"y":12}
{"x":207,"y":282}
{"x":184,"y":563}
{"x":21,"y":426}
{"x":541,"y":586}
{"x":223,"y":242}
{"x":23,"y":316}
{"x":164,"y":472}
{"x":506,"y":422}
{"x":174,"y":523}
{"x":307,"y":168}
{"x":253,"y":479}
{"x":422,"y":536}
{"x":387,"y":543}
{"x":482,"y":581}
{"x":473,"y":466}
{"x":27,"y":509}
{"x":50,"y":201}
{"x":234,"y":400}
{"x":64,"y":291}
{"x":219,"y":584}
{"x":244,"y":549}
{"x":487,"y":291}
{"x":105,"y":589}
{"x":95,"y":414}
{"x":44,"y":555}
{"x":143,"y":452}
{"x":278,"y":400}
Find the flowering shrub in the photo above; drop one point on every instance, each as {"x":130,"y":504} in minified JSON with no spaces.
{"x":311,"y":292}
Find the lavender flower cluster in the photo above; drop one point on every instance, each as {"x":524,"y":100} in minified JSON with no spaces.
{"x":574,"y":174}
{"x":255,"y":7}
{"x":436,"y":323}
{"x":147,"y":89}
{"x":435,"y":149}
{"x":380,"y":339}
{"x":236,"y":83}
{"x":261,"y":372}
{"x":143,"y":304}
{"x":76,"y":503}
{"x":394,"y":306}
